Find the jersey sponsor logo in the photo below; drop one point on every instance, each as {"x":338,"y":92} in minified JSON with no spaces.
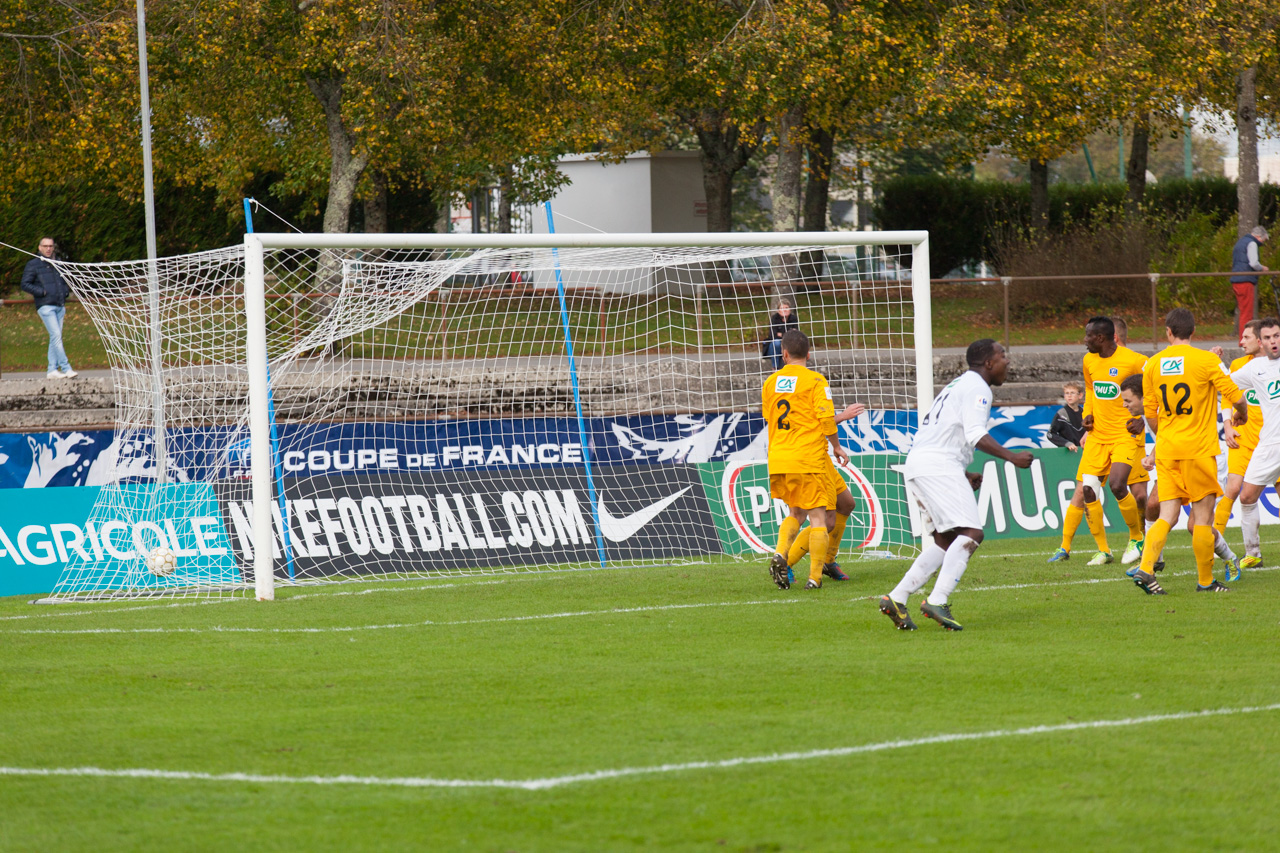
{"x":827,"y":391}
{"x":1104,"y":390}
{"x":621,"y":529}
{"x":1172,"y":366}
{"x":1251,"y":397}
{"x":1273,"y":389}
{"x":784,"y":385}
{"x":1113,"y":371}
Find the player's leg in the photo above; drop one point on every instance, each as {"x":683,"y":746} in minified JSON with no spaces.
{"x":1263,"y":468}
{"x":1172,"y":490}
{"x":953,"y":508}
{"x":932,"y":552}
{"x":838,"y":520}
{"x":788,"y":488}
{"x":1070,"y":523}
{"x":819,"y":539}
{"x":1118,"y":479}
{"x":1230,"y":492}
{"x":1202,"y":540}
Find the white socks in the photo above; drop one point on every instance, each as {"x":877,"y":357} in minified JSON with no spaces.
{"x":1249,"y":519}
{"x":953,"y":566}
{"x":1220,"y":547}
{"x":930,"y":559}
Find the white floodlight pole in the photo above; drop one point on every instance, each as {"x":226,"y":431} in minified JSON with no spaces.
{"x":924,"y":324}
{"x":153,"y":273}
{"x":260,"y":467}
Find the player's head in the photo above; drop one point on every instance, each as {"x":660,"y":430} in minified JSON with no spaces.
{"x":1131,"y":394}
{"x":1072,"y":392}
{"x":795,"y":347}
{"x":1099,"y":334}
{"x":1269,"y":336}
{"x":987,"y":357}
{"x":1251,"y":337}
{"x":1180,"y":324}
{"x":1122,"y":331}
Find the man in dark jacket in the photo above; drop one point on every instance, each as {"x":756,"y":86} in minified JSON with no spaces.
{"x":43,"y":281}
{"x":1244,"y":259}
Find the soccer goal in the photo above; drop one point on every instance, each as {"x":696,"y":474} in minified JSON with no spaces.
{"x":317,"y":408}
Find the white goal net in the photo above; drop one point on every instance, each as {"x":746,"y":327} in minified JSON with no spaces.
{"x":312,"y":408}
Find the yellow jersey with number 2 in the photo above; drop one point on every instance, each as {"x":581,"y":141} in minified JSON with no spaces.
{"x":1180,"y":389}
{"x":797,"y":407}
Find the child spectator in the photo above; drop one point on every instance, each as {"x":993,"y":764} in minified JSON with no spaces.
{"x":1067,"y":429}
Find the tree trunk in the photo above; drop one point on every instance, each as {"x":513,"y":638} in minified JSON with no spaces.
{"x":816,"y":193}
{"x":1136,"y":173}
{"x":785,"y":190}
{"x":723,"y":154}
{"x":345,"y":166}
{"x":1039,"y":194}
{"x":375,"y":206}
{"x":1247,"y":134}
{"x":504,"y":201}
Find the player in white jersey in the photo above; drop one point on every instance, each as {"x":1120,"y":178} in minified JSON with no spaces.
{"x":1262,"y":376}
{"x":943,"y":490}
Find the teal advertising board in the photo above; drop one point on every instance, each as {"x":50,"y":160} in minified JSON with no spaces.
{"x":42,"y":530}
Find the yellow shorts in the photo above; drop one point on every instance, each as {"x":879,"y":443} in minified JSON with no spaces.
{"x":1188,"y":479}
{"x":806,"y":491}
{"x":1238,"y":459}
{"x":1096,"y":458}
{"x":835,"y":485}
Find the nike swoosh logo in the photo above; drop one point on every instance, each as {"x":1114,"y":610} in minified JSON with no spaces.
{"x":622,"y":529}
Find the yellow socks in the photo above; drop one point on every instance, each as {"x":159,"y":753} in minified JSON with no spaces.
{"x":787,"y":534}
{"x":1156,"y":536}
{"x":1070,"y":522}
{"x":1093,"y":515}
{"x":1202,"y":547}
{"x":819,"y":538}
{"x":837,"y":533}
{"x":1222,"y":513}
{"x":800,"y":547}
{"x":1129,"y":509}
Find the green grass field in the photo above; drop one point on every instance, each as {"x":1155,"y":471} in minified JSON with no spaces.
{"x":535,"y":678}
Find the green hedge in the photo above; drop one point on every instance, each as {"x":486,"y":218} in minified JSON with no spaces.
{"x":965,"y":217}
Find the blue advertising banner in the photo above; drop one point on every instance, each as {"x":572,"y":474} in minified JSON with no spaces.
{"x":96,"y":458}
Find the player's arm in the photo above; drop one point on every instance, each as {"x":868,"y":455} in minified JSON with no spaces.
{"x":1087,"y":421}
{"x":826,"y":412}
{"x":1150,"y":402}
{"x":987,"y":444}
{"x":1230,"y":392}
{"x":850,"y":412}
{"x":974,"y":418}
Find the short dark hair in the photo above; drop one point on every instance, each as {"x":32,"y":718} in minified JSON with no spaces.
{"x":1181,"y":322}
{"x":1132,"y":383}
{"x":1264,"y":323}
{"x":1103,"y":325}
{"x":979,"y":351}
{"x":796,"y":343}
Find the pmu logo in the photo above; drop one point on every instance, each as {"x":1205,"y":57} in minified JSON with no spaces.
{"x":1171,"y":366}
{"x":755,"y":514}
{"x":1251,"y":397}
{"x":1106,"y":390}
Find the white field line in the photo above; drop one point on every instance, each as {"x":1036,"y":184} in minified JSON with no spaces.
{"x":623,"y":772}
{"x":216,"y":629}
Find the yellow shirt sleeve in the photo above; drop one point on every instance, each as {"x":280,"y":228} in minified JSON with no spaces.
{"x":1222,"y":381}
{"x":824,"y":407}
{"x":1088,"y":389}
{"x":1150,"y":405}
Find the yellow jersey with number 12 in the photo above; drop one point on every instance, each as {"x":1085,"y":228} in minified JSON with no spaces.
{"x":1180,"y":389}
{"x":798,"y":408}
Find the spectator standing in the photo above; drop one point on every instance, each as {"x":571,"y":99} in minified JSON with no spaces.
{"x":42,"y":280}
{"x":1244,"y":258}
{"x":1067,"y":429}
{"x":781,"y":321}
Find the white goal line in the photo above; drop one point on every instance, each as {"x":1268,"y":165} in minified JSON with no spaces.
{"x":549,"y":782}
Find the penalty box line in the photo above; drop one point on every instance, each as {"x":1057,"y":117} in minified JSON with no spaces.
{"x":550,"y":782}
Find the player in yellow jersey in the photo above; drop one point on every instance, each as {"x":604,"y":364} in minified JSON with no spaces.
{"x":797,"y":407}
{"x":838,"y":512}
{"x":1241,"y":440}
{"x":1180,"y":389}
{"x":1109,"y":451}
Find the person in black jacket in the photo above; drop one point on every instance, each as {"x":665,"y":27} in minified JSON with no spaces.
{"x":43,"y":281}
{"x":1067,"y":429}
{"x":781,"y":321}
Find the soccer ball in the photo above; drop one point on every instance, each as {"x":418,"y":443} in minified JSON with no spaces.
{"x":161,"y":562}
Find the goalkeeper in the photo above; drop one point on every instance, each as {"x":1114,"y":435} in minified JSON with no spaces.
{"x":797,"y":407}
{"x":839,"y":508}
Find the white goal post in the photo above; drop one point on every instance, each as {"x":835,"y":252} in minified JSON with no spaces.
{"x":255,"y":309}
{"x":336,"y":407}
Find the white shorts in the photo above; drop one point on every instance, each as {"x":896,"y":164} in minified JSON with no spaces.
{"x":946,"y":502}
{"x":1264,"y":465}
